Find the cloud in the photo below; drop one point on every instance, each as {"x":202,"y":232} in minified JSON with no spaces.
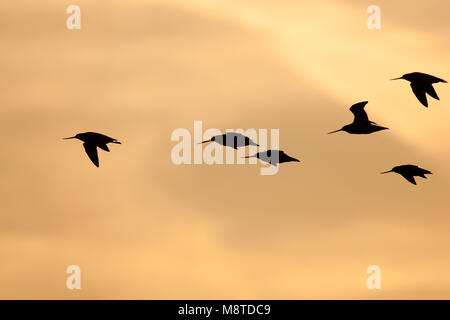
{"x":142,"y":227}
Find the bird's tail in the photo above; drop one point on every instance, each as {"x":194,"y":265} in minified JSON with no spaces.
{"x":381,"y":128}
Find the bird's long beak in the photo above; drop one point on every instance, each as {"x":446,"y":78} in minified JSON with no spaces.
{"x":396,"y":78}
{"x":335,"y":131}
{"x":69,"y":138}
{"x":204,"y":141}
{"x":386,"y":172}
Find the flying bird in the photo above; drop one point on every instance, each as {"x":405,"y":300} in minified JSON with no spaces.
{"x":361,"y":123}
{"x":409,"y":171}
{"x":273,"y":157}
{"x":422,"y":83}
{"x":232,"y":139}
{"x":92,"y":140}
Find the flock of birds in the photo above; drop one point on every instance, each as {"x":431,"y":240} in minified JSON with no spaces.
{"x":421,"y":84}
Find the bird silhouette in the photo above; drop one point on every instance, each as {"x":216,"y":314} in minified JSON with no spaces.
{"x":273,"y":157}
{"x":232,"y":139}
{"x":422,"y":83}
{"x":92,"y":140}
{"x":409,"y":171}
{"x":361,"y":124}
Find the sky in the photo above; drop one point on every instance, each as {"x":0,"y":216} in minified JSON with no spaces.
{"x":141,"y":227}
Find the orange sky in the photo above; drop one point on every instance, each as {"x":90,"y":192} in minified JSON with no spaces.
{"x":141,"y":227}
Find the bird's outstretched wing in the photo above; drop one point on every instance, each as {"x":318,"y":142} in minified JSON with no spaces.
{"x":424,"y":171}
{"x":358,"y":111}
{"x":419,"y":91}
{"x":430,"y":90}
{"x":409,"y":178}
{"x":429,"y":78}
{"x":103,"y":147}
{"x":91,"y":150}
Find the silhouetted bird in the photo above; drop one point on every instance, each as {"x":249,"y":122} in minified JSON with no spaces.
{"x":361,"y":124}
{"x":232,"y":139}
{"x":422,"y":83}
{"x":92,"y":140}
{"x":408,"y":171}
{"x":274,"y":157}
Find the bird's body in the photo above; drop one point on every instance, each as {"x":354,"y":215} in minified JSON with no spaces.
{"x":361,"y":123}
{"x":232,"y":139}
{"x":409,"y":171}
{"x":273,"y":157}
{"x":363,"y":128}
{"x":92,"y":140}
{"x":421,"y":84}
